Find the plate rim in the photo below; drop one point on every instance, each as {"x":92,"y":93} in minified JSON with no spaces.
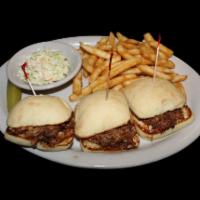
{"x":127,"y":165}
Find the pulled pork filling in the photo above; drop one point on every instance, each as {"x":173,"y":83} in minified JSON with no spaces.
{"x":167,"y":120}
{"x":51,"y":135}
{"x":120,"y":138}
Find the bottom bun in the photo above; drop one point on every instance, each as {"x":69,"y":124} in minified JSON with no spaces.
{"x":165,"y":133}
{"x":41,"y":146}
{"x":88,"y":146}
{"x":60,"y":147}
{"x":17,"y":140}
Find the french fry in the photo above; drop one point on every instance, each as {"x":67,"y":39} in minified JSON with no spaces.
{"x":95,"y":51}
{"x":116,"y":58}
{"x":121,"y":37}
{"x":99,"y":81}
{"x":148,"y":37}
{"x":98,"y":71}
{"x":123,"y":66}
{"x":74,"y":97}
{"x":166,"y":63}
{"x":111,"y":40}
{"x":87,"y":66}
{"x":92,"y":60}
{"x":85,"y":73}
{"x":86,"y":90}
{"x":148,"y":53}
{"x":103,"y":40}
{"x":127,"y":45}
{"x":135,"y":70}
{"x":117,"y":87}
{"x":162,"y":56}
{"x":163,"y":48}
{"x":134,"y":51}
{"x":113,"y":82}
{"x":99,"y":62}
{"x":123,"y":52}
{"x":150,"y":71}
{"x":77,"y":83}
{"x":105,"y":47}
{"x":178,"y":78}
{"x":128,"y":82}
{"x":131,"y":59}
{"x":100,"y":87}
{"x":165,"y":70}
{"x":132,"y":41}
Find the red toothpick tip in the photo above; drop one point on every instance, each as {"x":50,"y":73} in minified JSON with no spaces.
{"x":24,"y":70}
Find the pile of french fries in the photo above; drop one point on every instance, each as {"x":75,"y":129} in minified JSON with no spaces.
{"x":131,"y":59}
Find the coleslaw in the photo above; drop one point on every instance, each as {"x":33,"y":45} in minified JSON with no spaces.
{"x":45,"y":66}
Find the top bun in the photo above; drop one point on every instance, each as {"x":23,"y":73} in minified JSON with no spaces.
{"x":95,"y":114}
{"x":148,"y":97}
{"x":38,"y":111}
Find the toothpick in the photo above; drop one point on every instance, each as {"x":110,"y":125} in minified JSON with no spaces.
{"x":157,"y":54}
{"x":27,"y":78}
{"x":108,"y":77}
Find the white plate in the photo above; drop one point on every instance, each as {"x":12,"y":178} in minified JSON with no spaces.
{"x":19,"y":58}
{"x":146,"y":153}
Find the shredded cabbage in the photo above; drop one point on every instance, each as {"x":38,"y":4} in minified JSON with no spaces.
{"x":45,"y":66}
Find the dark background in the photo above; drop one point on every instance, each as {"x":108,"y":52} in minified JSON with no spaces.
{"x":23,"y":26}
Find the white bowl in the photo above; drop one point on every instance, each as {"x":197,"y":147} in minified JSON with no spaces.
{"x":19,"y":58}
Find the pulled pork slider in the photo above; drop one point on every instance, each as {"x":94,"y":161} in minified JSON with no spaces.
{"x":43,"y":122}
{"x":158,"y":107}
{"x":103,"y":124}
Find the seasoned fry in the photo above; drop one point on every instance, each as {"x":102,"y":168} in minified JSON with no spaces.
{"x":87,"y":66}
{"x":95,"y":51}
{"x":163,"y":48}
{"x":121,"y":37}
{"x":85,"y":73}
{"x":123,"y":52}
{"x":105,"y":47}
{"x":124,"y":65}
{"x":74,"y":97}
{"x":103,"y":40}
{"x":178,"y":78}
{"x":127,"y":45}
{"x":86,"y":90}
{"x":148,"y":37}
{"x":134,"y":51}
{"x":131,"y":60}
{"x":117,"y":87}
{"x":135,"y":70}
{"x":128,"y":82}
{"x":150,"y":71}
{"x":98,"y":71}
{"x":111,"y":40}
{"x":77,"y":83}
{"x":166,"y":63}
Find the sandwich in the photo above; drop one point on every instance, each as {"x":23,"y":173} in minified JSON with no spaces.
{"x":158,"y":107}
{"x":102,"y":123}
{"x":42,"y":122}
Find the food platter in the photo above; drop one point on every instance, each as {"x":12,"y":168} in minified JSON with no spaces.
{"x":147,"y":152}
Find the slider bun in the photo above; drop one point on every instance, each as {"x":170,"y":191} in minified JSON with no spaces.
{"x":38,"y":111}
{"x":60,"y":147}
{"x":165,"y":133}
{"x":27,"y":143}
{"x":17,"y":140}
{"x":88,"y":146}
{"x":148,"y":97}
{"x":95,"y":114}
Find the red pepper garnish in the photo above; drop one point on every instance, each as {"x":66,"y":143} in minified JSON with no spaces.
{"x":24,"y":70}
